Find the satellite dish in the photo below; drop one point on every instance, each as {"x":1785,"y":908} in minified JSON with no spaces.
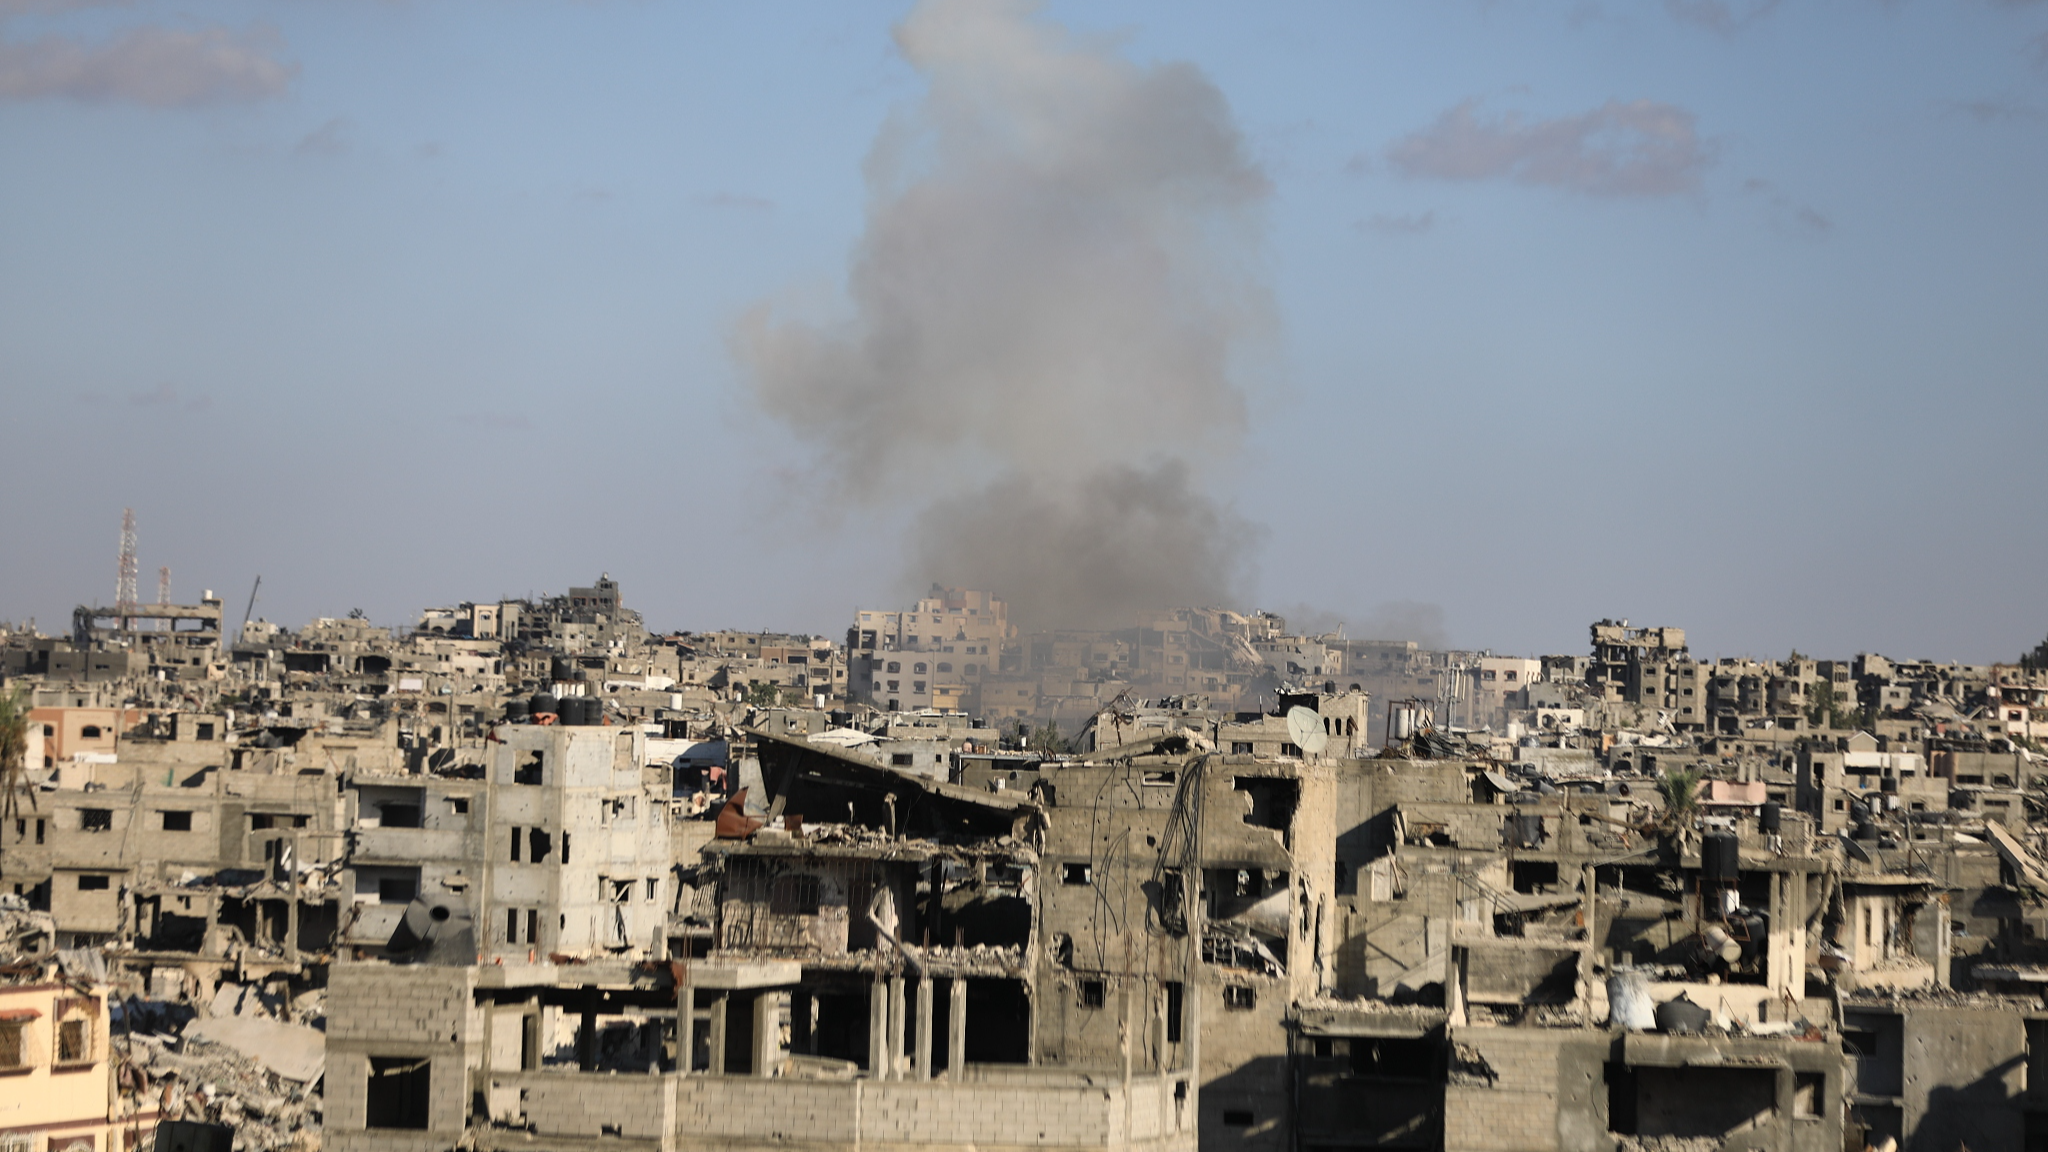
{"x":1305,"y":728}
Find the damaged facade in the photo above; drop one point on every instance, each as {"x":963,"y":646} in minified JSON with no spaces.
{"x":526,"y":875}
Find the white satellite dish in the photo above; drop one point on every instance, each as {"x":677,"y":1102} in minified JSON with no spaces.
{"x":1305,"y":728}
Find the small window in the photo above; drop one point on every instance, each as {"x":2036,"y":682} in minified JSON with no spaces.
{"x":204,"y":732}
{"x":94,"y":883}
{"x":1240,"y":997}
{"x":1092,"y":994}
{"x":74,"y":1042}
{"x":89,"y":732}
{"x":1077,"y":872}
{"x":458,"y":805}
{"x":899,"y":759}
{"x":1237,"y":1117}
{"x":13,"y":1044}
{"x":96,"y":819}
{"x":177,"y":821}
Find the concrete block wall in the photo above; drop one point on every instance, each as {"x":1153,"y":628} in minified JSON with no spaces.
{"x":405,"y":1011}
{"x":736,"y":1113}
{"x":581,"y":1105}
{"x":1517,"y":1110}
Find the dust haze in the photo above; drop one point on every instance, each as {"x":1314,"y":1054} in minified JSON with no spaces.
{"x":1044,"y":315}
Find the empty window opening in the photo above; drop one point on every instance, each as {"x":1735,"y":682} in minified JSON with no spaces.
{"x":396,"y":1095}
{"x":998,"y":1022}
{"x":177,"y":821}
{"x":1808,"y":1095}
{"x":1240,"y":997}
{"x":1532,"y":876}
{"x":1093,"y":994}
{"x":96,"y":819}
{"x":1077,"y":872}
{"x":1394,"y":1058}
{"x":1176,"y":997}
{"x":94,"y":883}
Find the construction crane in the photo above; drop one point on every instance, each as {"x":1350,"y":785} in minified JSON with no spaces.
{"x":246,"y":612}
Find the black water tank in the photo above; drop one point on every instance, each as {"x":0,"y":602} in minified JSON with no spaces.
{"x":1771,"y":820}
{"x":1889,"y":785}
{"x":515,"y":711}
{"x":1682,"y":1016}
{"x":1720,"y":856}
{"x":574,"y":710}
{"x":561,"y":668}
{"x":540,"y":704}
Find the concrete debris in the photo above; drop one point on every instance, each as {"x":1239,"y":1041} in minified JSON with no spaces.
{"x":292,"y":1051}
{"x":527,"y":875}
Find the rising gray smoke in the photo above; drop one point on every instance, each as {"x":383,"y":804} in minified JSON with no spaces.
{"x":1391,"y":620}
{"x":1054,"y":280}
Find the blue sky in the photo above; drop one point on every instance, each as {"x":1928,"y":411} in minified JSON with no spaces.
{"x":1726,"y":315}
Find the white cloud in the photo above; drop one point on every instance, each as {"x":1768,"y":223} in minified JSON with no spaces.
{"x":156,"y":67}
{"x":1633,"y":148}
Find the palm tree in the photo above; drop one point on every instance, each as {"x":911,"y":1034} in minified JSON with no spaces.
{"x":1681,"y":790}
{"x":14,"y":709}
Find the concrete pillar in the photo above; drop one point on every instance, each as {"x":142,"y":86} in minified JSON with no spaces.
{"x":897,"y":1025}
{"x":767,"y":1032}
{"x":1944,"y":940}
{"x":878,"y":1028}
{"x":956,"y":1029}
{"x":1158,"y":1026}
{"x":686,"y":1023}
{"x":924,"y":1028}
{"x":718,"y":1006}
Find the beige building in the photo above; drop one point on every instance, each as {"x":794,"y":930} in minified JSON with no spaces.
{"x":56,"y":1084}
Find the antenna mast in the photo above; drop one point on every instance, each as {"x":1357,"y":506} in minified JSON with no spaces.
{"x":163,"y":585}
{"x":124,"y":590}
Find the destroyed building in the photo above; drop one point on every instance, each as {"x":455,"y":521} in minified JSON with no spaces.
{"x":548,"y":880}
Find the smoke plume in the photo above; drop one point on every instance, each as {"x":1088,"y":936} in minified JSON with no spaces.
{"x":1056,"y":275}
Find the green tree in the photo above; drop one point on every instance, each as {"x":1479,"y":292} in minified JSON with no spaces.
{"x":1681,"y":791}
{"x":1822,"y":712}
{"x":1047,"y":741}
{"x":14,"y":709}
{"x":762,"y":694}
